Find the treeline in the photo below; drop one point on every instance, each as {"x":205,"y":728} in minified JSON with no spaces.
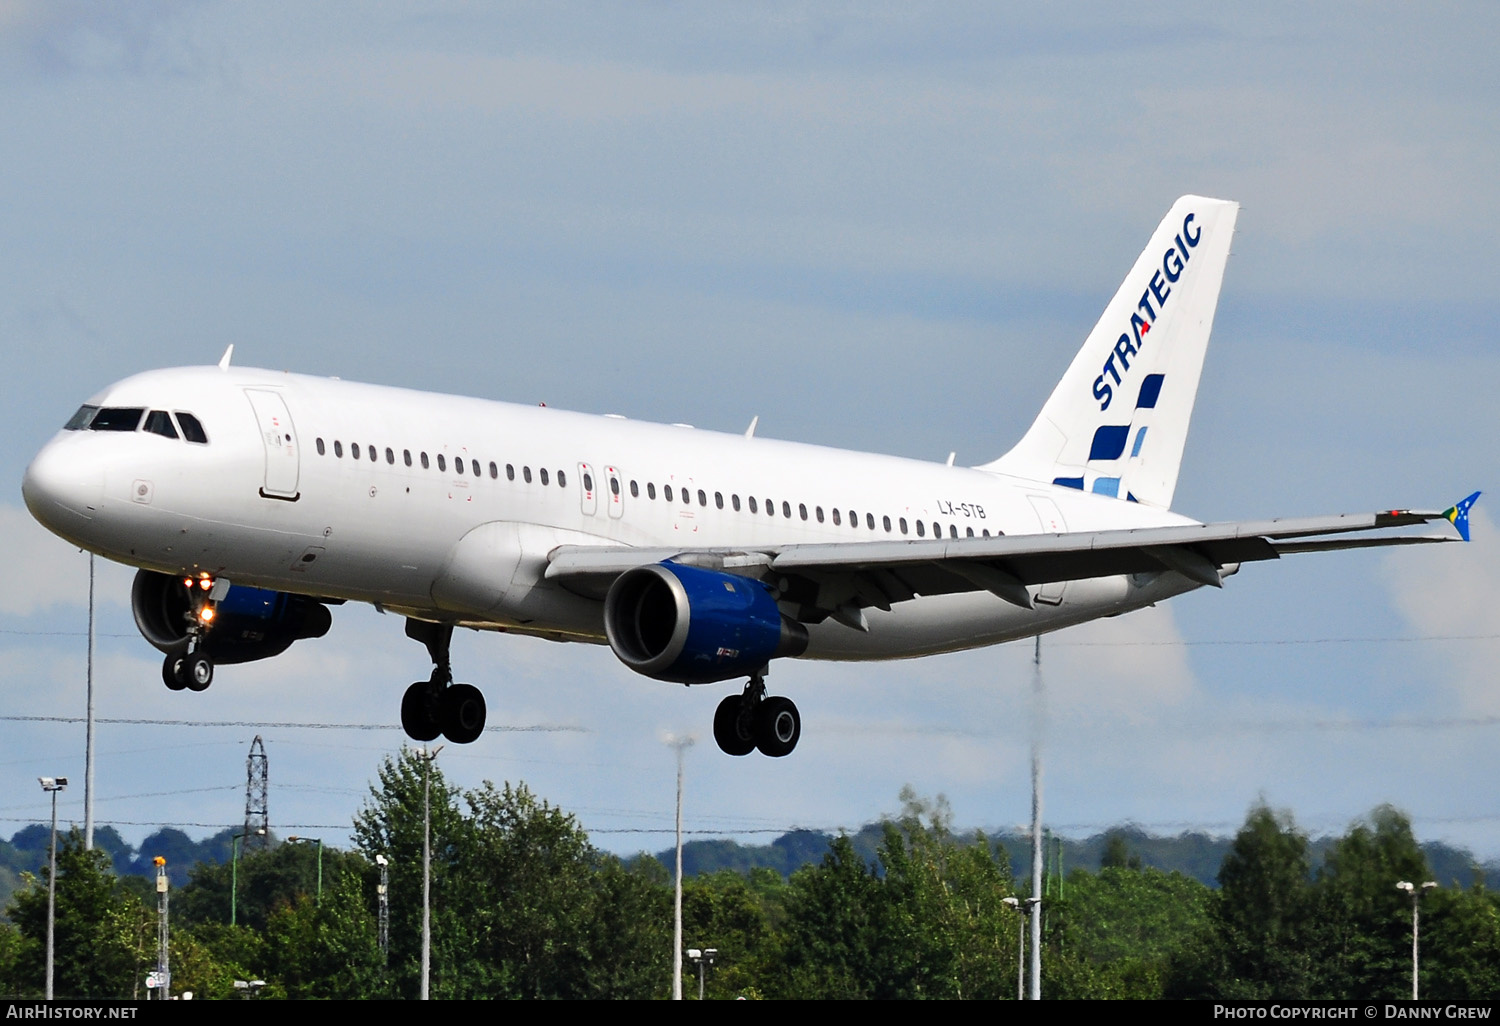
{"x":525,"y":907}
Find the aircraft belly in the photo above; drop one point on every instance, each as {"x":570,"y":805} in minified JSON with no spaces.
{"x":951,"y":623}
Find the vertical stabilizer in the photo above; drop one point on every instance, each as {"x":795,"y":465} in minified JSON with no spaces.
{"x":1117,"y":422}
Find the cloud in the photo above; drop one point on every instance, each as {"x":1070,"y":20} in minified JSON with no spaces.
{"x":46,"y":572}
{"x":1455,"y":592}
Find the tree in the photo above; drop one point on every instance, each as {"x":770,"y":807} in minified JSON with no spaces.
{"x":1255,"y":945}
{"x":104,"y":938}
{"x":390,"y":826}
{"x":1361,"y":931}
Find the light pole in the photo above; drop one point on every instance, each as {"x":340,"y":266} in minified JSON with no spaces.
{"x":234,"y":872}
{"x":427,"y":755}
{"x":383,"y":899}
{"x":1023,"y":908}
{"x":52,"y":785}
{"x":294,"y":839}
{"x":1416,"y":898}
{"x":702,"y":958}
{"x":163,"y":952}
{"x":681,"y":742}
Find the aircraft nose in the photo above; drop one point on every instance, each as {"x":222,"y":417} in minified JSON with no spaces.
{"x":61,"y":489}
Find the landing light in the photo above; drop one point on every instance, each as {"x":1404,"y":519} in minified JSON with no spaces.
{"x":206,"y":614}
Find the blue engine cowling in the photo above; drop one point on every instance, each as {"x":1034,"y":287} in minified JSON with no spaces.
{"x":693,"y":626}
{"x":249,"y":623}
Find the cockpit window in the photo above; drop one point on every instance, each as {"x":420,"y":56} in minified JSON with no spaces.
{"x":117,"y":418}
{"x":159,"y":422}
{"x":80,"y":420}
{"x":192,"y":430}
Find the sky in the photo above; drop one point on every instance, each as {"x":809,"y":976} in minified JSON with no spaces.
{"x":877,"y":226}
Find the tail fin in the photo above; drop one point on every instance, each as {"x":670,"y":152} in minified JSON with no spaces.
{"x":1117,"y":422}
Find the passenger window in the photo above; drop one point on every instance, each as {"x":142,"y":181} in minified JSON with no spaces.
{"x":687,"y":500}
{"x":650,"y":490}
{"x":614,"y":484}
{"x":526,"y":474}
{"x":117,"y":418}
{"x":953,"y":530}
{"x":666,"y":493}
{"x":80,"y":420}
{"x":853,"y":519}
{"x":588,"y":481}
{"x":719,"y":499}
{"x":969,"y":531}
{"x":786,"y":510}
{"x":734,"y":500}
{"x":406,"y":455}
{"x":425,"y":464}
{"x":903,"y":525}
{"x":442,"y":462}
{"x":510,"y":472}
{"x":753,"y":508}
{"x":390,"y":456}
{"x":338,"y":449}
{"x":474,"y":467}
{"x":886,"y":522}
{"x":870,"y":521}
{"x":543,"y":472}
{"x":802,"y":509}
{"x":562,"y":480}
{"x":322,"y":451}
{"x":371,"y":450}
{"x":354,"y":449}
{"x":921,"y":530}
{"x":837,"y":521}
{"x":635,"y":490}
{"x":819,"y":512}
{"x":159,"y":422}
{"x":702,"y":498}
{"x":458,"y":466}
{"x":494,"y":471}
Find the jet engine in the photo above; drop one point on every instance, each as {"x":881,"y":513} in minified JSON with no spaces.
{"x":248,"y":623}
{"x":689,"y":625}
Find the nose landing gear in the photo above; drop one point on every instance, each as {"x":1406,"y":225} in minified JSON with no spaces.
{"x":751,"y":720}
{"x":437,"y":705}
{"x":193,"y":668}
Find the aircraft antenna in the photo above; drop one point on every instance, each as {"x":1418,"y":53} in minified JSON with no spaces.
{"x":257,"y":818}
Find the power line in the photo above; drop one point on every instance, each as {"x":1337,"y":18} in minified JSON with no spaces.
{"x":283,"y":725}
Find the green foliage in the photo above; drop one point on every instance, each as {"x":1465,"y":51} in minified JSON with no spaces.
{"x":522,"y":904}
{"x":104,"y":939}
{"x":1117,"y":933}
{"x":931,"y":922}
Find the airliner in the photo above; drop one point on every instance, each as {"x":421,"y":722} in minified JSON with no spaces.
{"x":251,"y":501}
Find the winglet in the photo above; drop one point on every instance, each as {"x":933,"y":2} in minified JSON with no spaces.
{"x":1458,"y":515}
{"x":224,"y":360}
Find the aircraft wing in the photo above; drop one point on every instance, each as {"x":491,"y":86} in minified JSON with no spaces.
{"x":832,"y":578}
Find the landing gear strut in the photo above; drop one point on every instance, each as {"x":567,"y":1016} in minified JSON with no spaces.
{"x":751,"y":720}
{"x":437,"y":705}
{"x":192,"y":668}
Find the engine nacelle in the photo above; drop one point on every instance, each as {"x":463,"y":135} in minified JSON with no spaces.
{"x":693,"y":626}
{"x":248,"y":623}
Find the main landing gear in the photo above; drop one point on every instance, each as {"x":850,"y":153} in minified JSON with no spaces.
{"x":437,"y":705}
{"x":752,"y":720}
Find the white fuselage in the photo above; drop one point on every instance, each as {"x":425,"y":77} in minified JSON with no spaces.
{"x":278,"y":499}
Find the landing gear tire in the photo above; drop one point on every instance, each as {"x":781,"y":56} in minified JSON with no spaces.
{"x":198,"y":671}
{"x":416,"y":720}
{"x":172,"y":674}
{"x":733,"y":731}
{"x":777,"y":726}
{"x":462,"y":713}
